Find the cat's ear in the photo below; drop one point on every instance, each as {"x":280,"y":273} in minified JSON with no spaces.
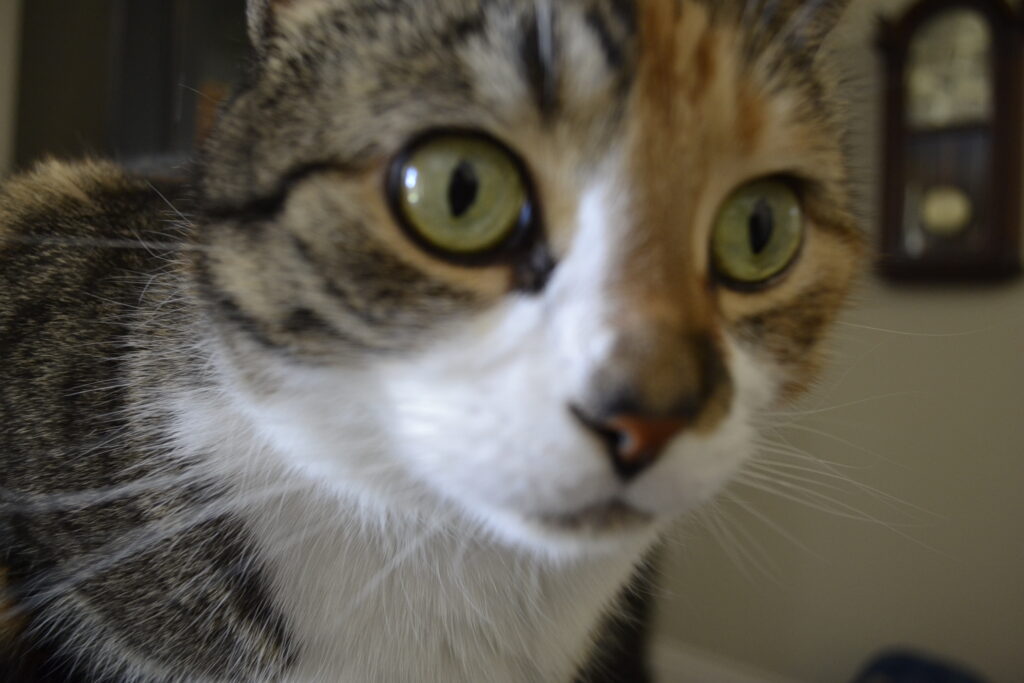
{"x":262,"y":16}
{"x":812,"y":21}
{"x":258,"y":14}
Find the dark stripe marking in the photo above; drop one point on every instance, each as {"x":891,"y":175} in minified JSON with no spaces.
{"x":270,"y":206}
{"x":614,"y":51}
{"x":539,"y":69}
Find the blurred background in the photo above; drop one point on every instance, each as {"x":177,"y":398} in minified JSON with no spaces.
{"x":888,"y":508}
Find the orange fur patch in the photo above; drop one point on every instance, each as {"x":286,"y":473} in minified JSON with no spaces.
{"x":666,"y":166}
{"x":749,"y":120}
{"x":704,"y":121}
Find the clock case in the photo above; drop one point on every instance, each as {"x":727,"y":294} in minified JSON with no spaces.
{"x":995,"y":253}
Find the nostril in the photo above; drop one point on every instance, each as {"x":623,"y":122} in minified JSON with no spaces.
{"x":644,"y":438}
{"x":634,"y":442}
{"x":612,"y":437}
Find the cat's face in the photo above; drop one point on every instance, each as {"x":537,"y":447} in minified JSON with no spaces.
{"x":544,"y":261}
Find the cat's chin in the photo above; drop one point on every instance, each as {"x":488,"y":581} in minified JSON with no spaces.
{"x":606,"y":518}
{"x":608,"y":528}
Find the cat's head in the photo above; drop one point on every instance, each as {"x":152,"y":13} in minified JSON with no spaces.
{"x":544,"y":261}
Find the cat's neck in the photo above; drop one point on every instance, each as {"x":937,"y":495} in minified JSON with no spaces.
{"x":367,"y":589}
{"x":429,"y":601}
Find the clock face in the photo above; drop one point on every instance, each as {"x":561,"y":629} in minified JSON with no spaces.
{"x":946,"y":210}
{"x":949,"y":74}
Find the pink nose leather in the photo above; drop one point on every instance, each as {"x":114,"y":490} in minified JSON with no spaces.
{"x":643,"y":438}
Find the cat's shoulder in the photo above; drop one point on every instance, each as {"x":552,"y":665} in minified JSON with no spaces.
{"x":54,"y":185}
{"x":73,"y":235}
{"x":69,"y":197}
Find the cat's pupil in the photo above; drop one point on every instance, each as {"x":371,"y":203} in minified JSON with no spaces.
{"x":463,"y":190}
{"x":762,"y":225}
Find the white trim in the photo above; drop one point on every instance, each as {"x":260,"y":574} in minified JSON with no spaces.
{"x":676,"y":662}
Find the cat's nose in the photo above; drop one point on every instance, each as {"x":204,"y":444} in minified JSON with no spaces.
{"x":634,"y":441}
{"x":654,"y":384}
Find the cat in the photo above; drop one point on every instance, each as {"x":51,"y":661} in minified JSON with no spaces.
{"x":467,"y":302}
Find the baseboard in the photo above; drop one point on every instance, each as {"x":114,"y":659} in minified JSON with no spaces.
{"x":676,"y":662}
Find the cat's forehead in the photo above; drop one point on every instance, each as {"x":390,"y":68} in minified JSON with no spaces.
{"x":458,"y":47}
{"x":563,"y":58}
{"x":562,"y":82}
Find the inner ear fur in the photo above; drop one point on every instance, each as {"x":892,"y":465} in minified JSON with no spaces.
{"x":261,"y":16}
{"x":811,"y":21}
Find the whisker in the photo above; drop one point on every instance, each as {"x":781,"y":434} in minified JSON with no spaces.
{"x":770,"y":448}
{"x":855,"y":517}
{"x":411,"y":548}
{"x":80,"y":500}
{"x":148,"y":245}
{"x":774,"y":526}
{"x":832,"y":437}
{"x":166,"y":201}
{"x":773,"y":467}
{"x":726,"y":539}
{"x":925,"y":335}
{"x":200,"y":93}
{"x":854,"y":364}
{"x":774,"y":475}
{"x":774,"y":487}
{"x":135,"y":542}
{"x":841,"y":406}
{"x":768,"y":566}
{"x":788,"y":489}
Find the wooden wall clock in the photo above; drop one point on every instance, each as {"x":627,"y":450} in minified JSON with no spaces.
{"x":953,"y":152}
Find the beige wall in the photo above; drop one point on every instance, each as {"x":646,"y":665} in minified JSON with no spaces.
{"x":935,"y":419}
{"x":9,"y":23}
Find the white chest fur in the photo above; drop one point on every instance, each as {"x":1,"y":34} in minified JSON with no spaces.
{"x":418,"y":602}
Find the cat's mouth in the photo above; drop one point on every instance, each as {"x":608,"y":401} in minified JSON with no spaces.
{"x":609,"y":516}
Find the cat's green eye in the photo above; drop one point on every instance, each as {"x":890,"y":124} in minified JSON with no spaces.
{"x":758,"y":233}
{"x":462,"y":195}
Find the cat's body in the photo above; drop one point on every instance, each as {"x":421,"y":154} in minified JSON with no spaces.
{"x":282,"y":437}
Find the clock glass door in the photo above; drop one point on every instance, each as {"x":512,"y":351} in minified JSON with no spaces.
{"x":949,"y":126}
